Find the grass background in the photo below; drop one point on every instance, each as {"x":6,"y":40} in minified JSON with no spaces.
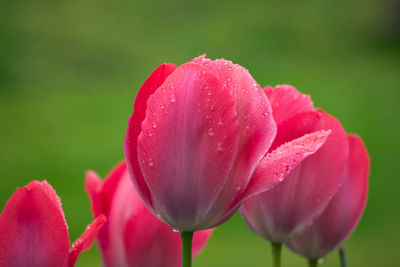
{"x":69,"y":72}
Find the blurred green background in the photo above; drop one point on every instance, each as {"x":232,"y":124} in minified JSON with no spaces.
{"x":69,"y":72}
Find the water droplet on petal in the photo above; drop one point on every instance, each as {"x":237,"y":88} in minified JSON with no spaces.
{"x":174,"y":230}
{"x":211,"y":132}
{"x":173,"y":99}
{"x":219,"y":147}
{"x":150,"y":162}
{"x":162,"y":106}
{"x":154,"y":125}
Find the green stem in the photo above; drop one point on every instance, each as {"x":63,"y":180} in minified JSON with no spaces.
{"x":186,"y":239}
{"x":342,"y":255}
{"x":313,"y":263}
{"x":276,"y":254}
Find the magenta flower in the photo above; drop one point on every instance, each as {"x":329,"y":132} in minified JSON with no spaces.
{"x":33,"y":230}
{"x":283,"y":212}
{"x":132,"y":236}
{"x":195,"y":137}
{"x":344,"y":211}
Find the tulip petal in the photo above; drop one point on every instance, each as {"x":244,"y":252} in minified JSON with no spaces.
{"x":101,"y":193}
{"x":150,"y":242}
{"x":33,"y":231}
{"x":135,"y":127}
{"x":159,"y":245}
{"x":276,"y":165}
{"x":93,"y":186}
{"x":125,"y":204}
{"x":188,"y":144}
{"x":344,"y":211}
{"x":85,"y":241}
{"x":200,"y":239}
{"x":287,"y":209}
{"x":256,"y":125}
{"x":286,"y":102}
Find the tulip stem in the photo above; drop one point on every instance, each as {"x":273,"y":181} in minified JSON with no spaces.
{"x":313,"y":263}
{"x":276,"y":254}
{"x":342,"y":255}
{"x":186,"y":239}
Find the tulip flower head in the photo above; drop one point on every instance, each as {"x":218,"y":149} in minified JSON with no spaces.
{"x":195,"y":138}
{"x":132,"y":236}
{"x":33,"y":230}
{"x":286,"y":210}
{"x":344,"y":211}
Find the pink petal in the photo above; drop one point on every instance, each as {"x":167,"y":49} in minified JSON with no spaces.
{"x":155,"y":80}
{"x":288,"y":208}
{"x":187,"y":144}
{"x":344,"y":211}
{"x":107,"y":188}
{"x":93,"y":186}
{"x":200,"y":239}
{"x":85,"y":241}
{"x":125,"y":204}
{"x":33,"y":231}
{"x":276,"y":165}
{"x":256,"y":127}
{"x":267,"y":90}
{"x":286,"y":102}
{"x":151,"y":243}
{"x":101,"y":195}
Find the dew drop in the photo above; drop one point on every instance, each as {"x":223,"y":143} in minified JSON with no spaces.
{"x":162,"y":106}
{"x":219,"y":147}
{"x":238,"y":188}
{"x":220,"y":122}
{"x":173,"y":99}
{"x":150,"y":162}
{"x":154,"y":125}
{"x":212,"y":107}
{"x":211,"y":132}
{"x":174,"y":230}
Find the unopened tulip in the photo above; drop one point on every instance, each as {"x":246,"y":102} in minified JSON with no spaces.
{"x":33,"y":230}
{"x":132,"y":236}
{"x":344,"y":211}
{"x":286,"y":210}
{"x":195,"y":137}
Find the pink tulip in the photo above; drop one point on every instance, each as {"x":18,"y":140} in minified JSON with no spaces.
{"x":283,"y":212}
{"x":33,"y":230}
{"x":195,"y":137}
{"x":344,"y":211}
{"x":132,"y":236}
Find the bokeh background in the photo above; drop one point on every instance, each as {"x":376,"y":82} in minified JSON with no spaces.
{"x":70,"y":70}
